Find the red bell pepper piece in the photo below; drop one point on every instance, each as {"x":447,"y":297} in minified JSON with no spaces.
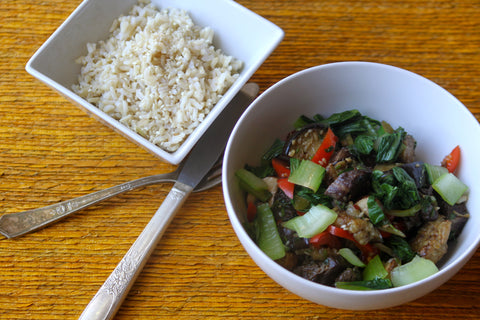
{"x":286,"y":186}
{"x":341,"y":233}
{"x":251,"y":211}
{"x":367,"y":249}
{"x":325,"y":151}
{"x":452,"y":159}
{"x":280,"y":168}
{"x":283,"y":172}
{"x":325,"y":238}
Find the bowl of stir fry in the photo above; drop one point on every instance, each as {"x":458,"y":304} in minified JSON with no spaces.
{"x":353,"y":184}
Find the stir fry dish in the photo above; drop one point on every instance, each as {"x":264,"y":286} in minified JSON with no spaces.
{"x":343,"y":201}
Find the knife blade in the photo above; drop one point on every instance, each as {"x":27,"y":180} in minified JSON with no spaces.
{"x":207,"y":150}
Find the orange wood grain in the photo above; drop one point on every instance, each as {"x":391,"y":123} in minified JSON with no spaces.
{"x":52,"y":151}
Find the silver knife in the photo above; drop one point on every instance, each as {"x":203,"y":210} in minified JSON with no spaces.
{"x":208,"y":149}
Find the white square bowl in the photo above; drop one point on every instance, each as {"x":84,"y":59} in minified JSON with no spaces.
{"x":239,"y":32}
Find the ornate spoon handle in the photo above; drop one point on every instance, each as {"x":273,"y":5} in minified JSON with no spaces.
{"x":16,"y":224}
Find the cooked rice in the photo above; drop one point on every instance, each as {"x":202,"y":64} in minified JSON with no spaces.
{"x":158,"y":73}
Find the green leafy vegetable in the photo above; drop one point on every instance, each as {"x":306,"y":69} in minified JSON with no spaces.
{"x":374,"y":269}
{"x":416,"y":270}
{"x":400,"y":248}
{"x":314,"y":198}
{"x":395,"y":189}
{"x":265,"y":168}
{"x":268,"y":238}
{"x":408,"y":192}
{"x":343,"y":117}
{"x":364,"y":144}
{"x":389,"y":146}
{"x":375,"y":284}
{"x":434,"y":172}
{"x":450,"y":188}
{"x":302,"y":121}
{"x":375,"y":212}
{"x":253,"y":184}
{"x":316,"y":220}
{"x":274,"y":151}
{"x":351,"y":257}
{"x":308,"y":174}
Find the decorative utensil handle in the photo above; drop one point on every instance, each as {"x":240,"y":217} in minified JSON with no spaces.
{"x":16,"y":224}
{"x":109,"y":297}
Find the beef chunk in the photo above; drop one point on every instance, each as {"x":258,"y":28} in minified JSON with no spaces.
{"x":289,"y":262}
{"x":408,"y":153}
{"x":431,"y":240}
{"x":350,"y":185}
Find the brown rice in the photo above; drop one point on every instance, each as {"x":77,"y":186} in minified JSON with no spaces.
{"x":158,"y":73}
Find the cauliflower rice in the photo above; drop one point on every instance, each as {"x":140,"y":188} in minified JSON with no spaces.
{"x":158,"y":73}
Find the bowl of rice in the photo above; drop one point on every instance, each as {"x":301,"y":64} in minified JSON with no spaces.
{"x":158,"y":72}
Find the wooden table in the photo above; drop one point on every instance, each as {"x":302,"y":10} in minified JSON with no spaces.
{"x":52,"y":151}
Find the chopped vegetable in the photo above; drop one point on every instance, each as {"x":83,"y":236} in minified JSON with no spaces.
{"x":325,"y":238}
{"x":452,"y":159}
{"x":348,"y":254}
{"x":253,"y":184}
{"x":286,"y":186}
{"x":400,"y":248}
{"x":375,"y":284}
{"x":274,"y":151}
{"x":268,"y":238}
{"x":396,"y":190}
{"x":389,"y":146}
{"x":450,"y":188}
{"x":366,"y":249}
{"x":434,"y":172}
{"x":417,"y":269}
{"x":364,"y":144}
{"x":280,"y":168}
{"x":325,"y":151}
{"x":316,"y":220}
{"x":374,"y":269}
{"x":308,"y":174}
{"x":407,"y":212}
{"x":251,"y":211}
{"x":375,"y":212}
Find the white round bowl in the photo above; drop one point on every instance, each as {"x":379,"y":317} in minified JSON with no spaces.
{"x":436,"y":119}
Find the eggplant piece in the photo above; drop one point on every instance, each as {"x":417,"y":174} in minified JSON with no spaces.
{"x":291,"y":240}
{"x":341,"y":161}
{"x":341,"y":155}
{"x":349,"y":275}
{"x":350,"y":185}
{"x":325,"y":272}
{"x":304,"y":143}
{"x":458,"y":214}
{"x":282,"y":206}
{"x":417,"y":171}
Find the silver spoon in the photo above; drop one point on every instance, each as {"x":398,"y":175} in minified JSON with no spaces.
{"x":16,"y":224}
